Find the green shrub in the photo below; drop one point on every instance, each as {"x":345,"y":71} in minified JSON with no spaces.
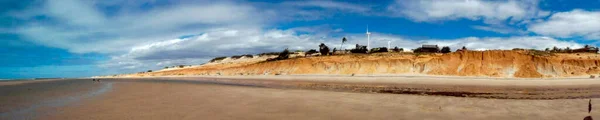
{"x":217,"y":59}
{"x":311,"y":51}
{"x":285,"y":54}
{"x":359,"y":49}
{"x":248,"y":55}
{"x":446,"y":49}
{"x":236,"y":57}
{"x":396,"y":49}
{"x":377,"y":50}
{"x":269,"y":53}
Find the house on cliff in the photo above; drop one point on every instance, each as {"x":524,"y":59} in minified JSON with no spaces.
{"x":428,"y":49}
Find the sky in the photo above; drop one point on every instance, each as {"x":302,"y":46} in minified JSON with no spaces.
{"x":82,"y":38}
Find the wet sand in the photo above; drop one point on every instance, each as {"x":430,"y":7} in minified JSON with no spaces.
{"x":23,"y":100}
{"x":209,"y":98}
{"x":496,"y":88}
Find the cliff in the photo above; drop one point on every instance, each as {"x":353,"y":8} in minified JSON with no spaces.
{"x":493,"y":63}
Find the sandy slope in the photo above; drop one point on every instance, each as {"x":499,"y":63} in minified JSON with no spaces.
{"x":493,"y":63}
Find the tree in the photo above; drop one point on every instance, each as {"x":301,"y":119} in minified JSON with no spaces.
{"x":343,"y":41}
{"x":396,"y":49}
{"x":216,"y":59}
{"x":333,"y":52}
{"x":380,"y":49}
{"x":311,"y":51}
{"x":359,"y":49}
{"x":323,"y":49}
{"x":445,"y":49}
{"x":285,"y":54}
{"x":149,"y":70}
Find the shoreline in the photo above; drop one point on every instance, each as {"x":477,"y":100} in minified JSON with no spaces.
{"x":25,"y":81}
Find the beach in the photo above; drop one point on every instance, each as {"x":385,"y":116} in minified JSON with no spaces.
{"x":288,"y":97}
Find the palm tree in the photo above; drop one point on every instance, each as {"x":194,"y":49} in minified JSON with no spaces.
{"x":343,"y":41}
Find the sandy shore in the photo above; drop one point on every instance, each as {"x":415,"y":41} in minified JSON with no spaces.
{"x":497,"y":88}
{"x":232,"y":98}
{"x":16,"y":82}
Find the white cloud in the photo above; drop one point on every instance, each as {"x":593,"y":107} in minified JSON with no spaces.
{"x":140,"y":40}
{"x":80,"y":27}
{"x":347,"y":7}
{"x":224,"y":42}
{"x":575,"y":23}
{"x":492,"y":12}
{"x":74,"y":12}
{"x":499,"y":16}
{"x":499,"y":29}
{"x":228,"y":42}
{"x":312,"y":10}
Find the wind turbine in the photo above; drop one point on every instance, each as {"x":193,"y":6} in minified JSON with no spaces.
{"x":368,"y":38}
{"x":389,"y":42}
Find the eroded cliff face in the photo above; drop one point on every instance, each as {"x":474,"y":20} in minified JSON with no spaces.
{"x":495,"y":63}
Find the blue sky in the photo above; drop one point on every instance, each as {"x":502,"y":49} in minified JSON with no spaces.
{"x":71,"y":38}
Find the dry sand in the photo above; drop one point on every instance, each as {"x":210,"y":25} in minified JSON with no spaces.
{"x":220,"y":98}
